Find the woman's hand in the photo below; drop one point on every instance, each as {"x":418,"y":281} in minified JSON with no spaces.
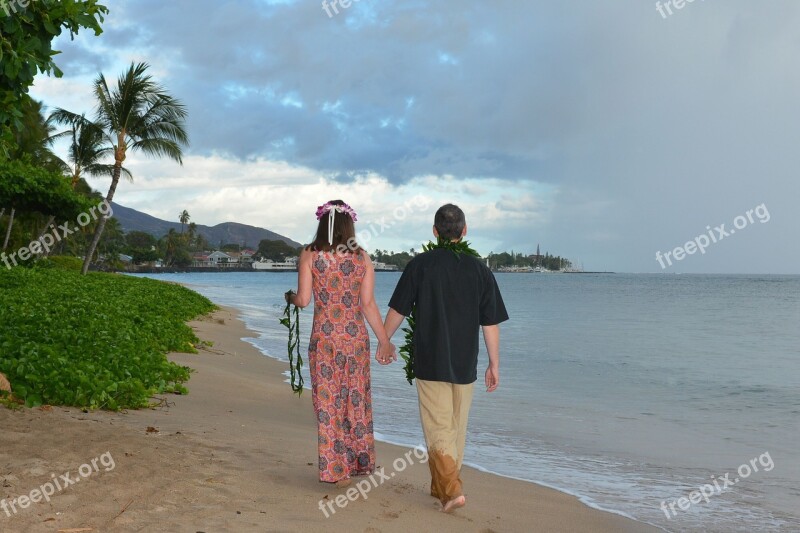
{"x":386,"y":353}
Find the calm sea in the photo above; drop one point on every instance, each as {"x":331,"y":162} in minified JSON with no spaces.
{"x":625,"y":390}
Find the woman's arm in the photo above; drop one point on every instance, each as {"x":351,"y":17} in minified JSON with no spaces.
{"x":370,"y":308}
{"x":303,"y":296}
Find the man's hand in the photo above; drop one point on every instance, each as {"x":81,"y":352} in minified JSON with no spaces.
{"x":386,"y":353}
{"x":491,"y":335}
{"x":492,"y":378}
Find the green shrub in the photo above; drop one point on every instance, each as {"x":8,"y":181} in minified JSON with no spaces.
{"x":96,"y":341}
{"x":63,"y":262}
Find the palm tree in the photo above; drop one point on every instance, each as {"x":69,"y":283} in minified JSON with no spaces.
{"x":172,"y":243}
{"x":8,"y":230}
{"x":184,"y":217}
{"x":191,"y":234}
{"x":86,"y":146}
{"x":86,"y":149}
{"x":137,"y":115}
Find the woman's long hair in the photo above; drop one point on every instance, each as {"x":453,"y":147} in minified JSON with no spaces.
{"x":344,"y":233}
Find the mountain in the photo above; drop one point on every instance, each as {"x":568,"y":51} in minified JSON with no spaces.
{"x":227,"y":232}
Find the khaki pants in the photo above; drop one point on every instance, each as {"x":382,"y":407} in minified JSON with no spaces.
{"x":444,"y":410}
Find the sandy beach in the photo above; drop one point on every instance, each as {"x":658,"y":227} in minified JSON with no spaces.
{"x":238,"y":454}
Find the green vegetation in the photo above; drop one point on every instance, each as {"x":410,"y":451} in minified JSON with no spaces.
{"x":141,"y":246}
{"x":96,"y":341}
{"x":276,"y":250}
{"x":550,"y":262}
{"x":400,"y":260}
{"x":231,"y":247}
{"x":62,"y":262}
{"x":503,"y":259}
{"x":26,"y":36}
{"x":24,"y":187}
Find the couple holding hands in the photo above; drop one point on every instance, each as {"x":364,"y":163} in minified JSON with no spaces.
{"x":453,"y":295}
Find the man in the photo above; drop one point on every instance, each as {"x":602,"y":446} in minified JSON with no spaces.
{"x":454,"y":294}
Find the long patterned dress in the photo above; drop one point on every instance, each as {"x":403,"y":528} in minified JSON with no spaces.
{"x":338,"y":358}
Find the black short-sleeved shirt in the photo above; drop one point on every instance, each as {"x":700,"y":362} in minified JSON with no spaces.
{"x":454,"y":295}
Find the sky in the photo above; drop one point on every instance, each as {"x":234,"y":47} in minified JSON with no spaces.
{"x":611,"y":133}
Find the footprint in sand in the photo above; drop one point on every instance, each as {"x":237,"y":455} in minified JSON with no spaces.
{"x":403,"y":489}
{"x":390,"y":515}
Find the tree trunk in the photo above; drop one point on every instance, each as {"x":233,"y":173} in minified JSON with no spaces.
{"x":8,"y":231}
{"x":44,"y":230}
{"x":101,"y":224}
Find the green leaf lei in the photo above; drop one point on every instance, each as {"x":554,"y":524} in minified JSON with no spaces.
{"x":407,"y":350}
{"x":293,"y":346}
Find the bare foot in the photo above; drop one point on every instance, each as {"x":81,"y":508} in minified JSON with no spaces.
{"x":454,"y":504}
{"x":344,"y":483}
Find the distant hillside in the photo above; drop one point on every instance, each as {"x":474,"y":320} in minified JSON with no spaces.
{"x":227,"y":232}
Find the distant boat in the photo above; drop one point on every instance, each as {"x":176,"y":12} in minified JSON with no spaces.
{"x":284,"y":266}
{"x":518,"y":269}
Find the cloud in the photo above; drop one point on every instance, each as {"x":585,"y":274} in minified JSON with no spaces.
{"x":600,"y":129}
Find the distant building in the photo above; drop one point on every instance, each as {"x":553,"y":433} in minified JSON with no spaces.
{"x":200,"y":259}
{"x":219,"y":258}
{"x":384,"y":267}
{"x":537,"y":257}
{"x":245,"y":257}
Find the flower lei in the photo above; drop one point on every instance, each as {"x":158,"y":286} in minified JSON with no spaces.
{"x":293,"y":346}
{"x":343,"y":208}
{"x":332,"y":209}
{"x":407,"y":350}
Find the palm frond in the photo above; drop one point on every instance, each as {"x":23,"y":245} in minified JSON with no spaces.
{"x":159,"y":148}
{"x":108,"y":170}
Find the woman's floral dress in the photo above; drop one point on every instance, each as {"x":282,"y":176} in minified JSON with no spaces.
{"x":338,"y":358}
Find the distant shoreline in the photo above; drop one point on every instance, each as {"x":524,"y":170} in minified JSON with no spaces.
{"x":196,"y":270}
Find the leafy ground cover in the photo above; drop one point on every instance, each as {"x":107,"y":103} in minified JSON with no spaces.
{"x":96,"y":341}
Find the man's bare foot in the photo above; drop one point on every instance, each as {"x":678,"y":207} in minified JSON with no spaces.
{"x":344,"y":483}
{"x":454,"y":504}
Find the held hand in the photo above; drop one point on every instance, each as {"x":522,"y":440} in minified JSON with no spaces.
{"x":492,"y":378}
{"x":386,"y":353}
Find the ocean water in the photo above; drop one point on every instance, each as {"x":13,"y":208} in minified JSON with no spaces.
{"x":628,"y":391}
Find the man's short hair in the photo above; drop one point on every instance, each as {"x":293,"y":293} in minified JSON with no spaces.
{"x":449,"y":222}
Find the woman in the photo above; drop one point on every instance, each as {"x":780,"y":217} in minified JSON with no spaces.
{"x":342,"y":279}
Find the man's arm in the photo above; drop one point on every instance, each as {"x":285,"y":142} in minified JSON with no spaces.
{"x":491,"y":336}
{"x":392,"y":322}
{"x":403,"y":298}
